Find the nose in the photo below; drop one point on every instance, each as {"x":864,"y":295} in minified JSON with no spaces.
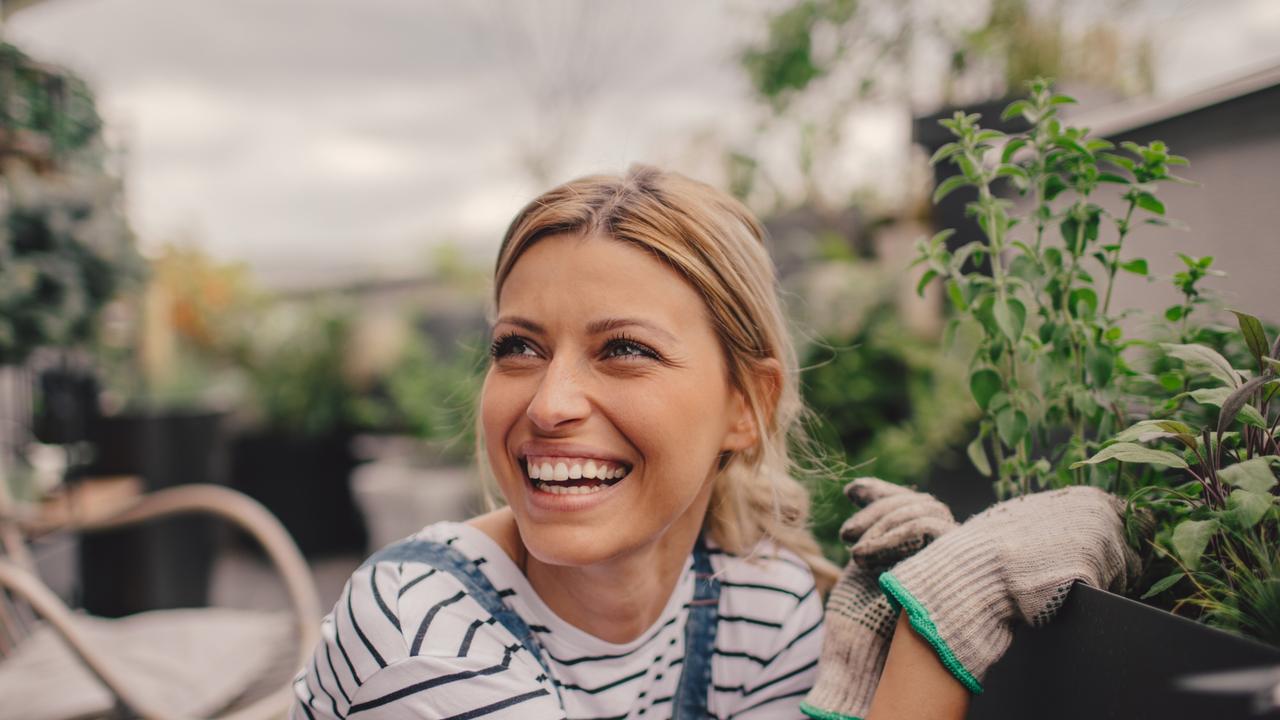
{"x":560,"y":399}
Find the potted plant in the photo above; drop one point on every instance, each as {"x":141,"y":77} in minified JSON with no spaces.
{"x":1068,"y":398}
{"x":296,"y":456}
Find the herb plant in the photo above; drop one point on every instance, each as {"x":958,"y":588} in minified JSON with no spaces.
{"x":1062,"y":394}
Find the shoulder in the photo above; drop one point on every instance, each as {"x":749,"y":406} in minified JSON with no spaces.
{"x":770,"y":631}
{"x":403,"y":616}
{"x":767,"y":570}
{"x":768,"y":599}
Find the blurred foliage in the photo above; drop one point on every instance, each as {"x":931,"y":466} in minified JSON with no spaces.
{"x":65,"y":251}
{"x":429,"y":394}
{"x":888,"y":404}
{"x":46,"y":112}
{"x":819,"y":63}
{"x":295,"y":360}
{"x":65,"y":247}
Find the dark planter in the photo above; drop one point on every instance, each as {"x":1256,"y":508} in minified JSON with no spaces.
{"x":1105,"y":656}
{"x":164,"y":563}
{"x":305,"y":482}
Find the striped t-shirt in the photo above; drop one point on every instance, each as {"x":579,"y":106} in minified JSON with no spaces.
{"x":406,"y":641}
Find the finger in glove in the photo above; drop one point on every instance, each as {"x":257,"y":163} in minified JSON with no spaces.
{"x":860,"y":522}
{"x":900,"y":542}
{"x":865,"y":490}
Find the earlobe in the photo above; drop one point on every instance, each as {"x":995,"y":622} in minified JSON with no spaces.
{"x":743,"y":432}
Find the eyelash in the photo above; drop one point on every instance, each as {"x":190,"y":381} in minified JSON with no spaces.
{"x":502,"y":347}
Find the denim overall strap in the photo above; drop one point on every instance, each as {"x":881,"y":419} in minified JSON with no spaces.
{"x":690,"y":701}
{"x":445,"y":558}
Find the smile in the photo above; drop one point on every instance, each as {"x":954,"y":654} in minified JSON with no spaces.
{"x":573,"y":476}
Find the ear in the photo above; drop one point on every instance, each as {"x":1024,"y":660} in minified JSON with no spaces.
{"x":766,"y":379}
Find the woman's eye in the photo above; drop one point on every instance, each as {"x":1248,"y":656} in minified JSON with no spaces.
{"x":629,"y":348}
{"x":511,"y":345}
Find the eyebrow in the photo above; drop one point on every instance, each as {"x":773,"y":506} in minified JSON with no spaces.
{"x":595,"y":327}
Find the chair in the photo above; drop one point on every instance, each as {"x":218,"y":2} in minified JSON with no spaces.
{"x":187,"y":663}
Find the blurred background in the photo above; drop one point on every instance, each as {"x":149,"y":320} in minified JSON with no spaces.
{"x":248,"y":243}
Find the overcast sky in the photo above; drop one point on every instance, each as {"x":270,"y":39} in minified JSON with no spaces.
{"x":325,"y":139}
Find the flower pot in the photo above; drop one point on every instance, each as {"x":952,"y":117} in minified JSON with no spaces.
{"x":305,"y":482}
{"x":165,"y":563}
{"x":1105,"y":656}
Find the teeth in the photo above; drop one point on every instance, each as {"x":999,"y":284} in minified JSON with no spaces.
{"x":568,"y":489}
{"x":569,"y":469}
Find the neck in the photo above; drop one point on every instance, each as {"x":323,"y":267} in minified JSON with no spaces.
{"x":619,"y":599}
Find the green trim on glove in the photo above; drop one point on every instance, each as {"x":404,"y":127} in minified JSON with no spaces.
{"x":923,"y":625}
{"x":817,"y":714}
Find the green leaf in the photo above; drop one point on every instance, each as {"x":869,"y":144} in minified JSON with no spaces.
{"x":1137,"y":267}
{"x":1133,"y":453}
{"x":986,"y":136}
{"x":1016,"y":108}
{"x":948,"y":186}
{"x":1101,"y":363}
{"x":1083,"y":303}
{"x":956,"y":295}
{"x":1053,"y":187}
{"x":1248,"y":508}
{"x":945,"y":152}
{"x":1174,"y":313}
{"x":1254,"y":336}
{"x":1112,"y":178}
{"x":1190,"y":539}
{"x":1235,"y":402}
{"x":978,"y":456}
{"x":1204,"y":359}
{"x":1253,"y":475}
{"x":1061,"y":100}
{"x":1161,"y":585}
{"x":1148,"y":202}
{"x":1011,"y":148}
{"x":924,"y":281}
{"x":1011,"y":317}
{"x":1012,"y":425}
{"x":1247,"y":414}
{"x":984,"y":384}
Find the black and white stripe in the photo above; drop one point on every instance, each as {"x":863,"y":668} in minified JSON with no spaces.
{"x":405,"y":640}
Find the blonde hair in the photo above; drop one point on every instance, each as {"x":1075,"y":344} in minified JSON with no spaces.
{"x":717,"y":245}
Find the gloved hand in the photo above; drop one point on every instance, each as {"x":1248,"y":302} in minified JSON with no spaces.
{"x":1016,"y":560}
{"x":894,"y":523}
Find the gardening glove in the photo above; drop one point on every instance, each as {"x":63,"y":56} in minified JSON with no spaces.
{"x":894,"y":523}
{"x":1015,"y":561}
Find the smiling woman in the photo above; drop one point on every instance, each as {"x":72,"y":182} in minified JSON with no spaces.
{"x":652,"y":558}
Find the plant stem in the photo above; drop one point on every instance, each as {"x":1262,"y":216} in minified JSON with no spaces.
{"x":1115,"y":257}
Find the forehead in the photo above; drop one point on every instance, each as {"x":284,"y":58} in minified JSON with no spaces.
{"x":588,"y":276}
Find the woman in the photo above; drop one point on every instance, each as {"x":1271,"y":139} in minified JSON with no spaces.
{"x":652,"y":559}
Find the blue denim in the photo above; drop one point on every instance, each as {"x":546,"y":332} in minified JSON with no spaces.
{"x":690,"y":700}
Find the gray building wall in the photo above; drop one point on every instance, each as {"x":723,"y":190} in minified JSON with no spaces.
{"x":1234,"y":215}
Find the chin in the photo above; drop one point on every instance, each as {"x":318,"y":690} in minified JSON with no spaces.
{"x":570,"y":545}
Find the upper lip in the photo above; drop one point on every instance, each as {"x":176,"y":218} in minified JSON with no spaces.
{"x":547,"y":449}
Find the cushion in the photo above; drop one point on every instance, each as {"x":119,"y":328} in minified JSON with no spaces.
{"x":189,"y":662}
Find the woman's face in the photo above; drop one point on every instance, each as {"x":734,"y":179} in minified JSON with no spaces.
{"x":605,"y":364}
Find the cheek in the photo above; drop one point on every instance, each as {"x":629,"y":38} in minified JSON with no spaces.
{"x":499,"y":407}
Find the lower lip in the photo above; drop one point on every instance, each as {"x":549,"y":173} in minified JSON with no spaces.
{"x":556,"y":502}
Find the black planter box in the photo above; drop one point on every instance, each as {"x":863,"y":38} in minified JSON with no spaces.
{"x":305,"y":482}
{"x":165,"y":563}
{"x":1105,"y":656}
